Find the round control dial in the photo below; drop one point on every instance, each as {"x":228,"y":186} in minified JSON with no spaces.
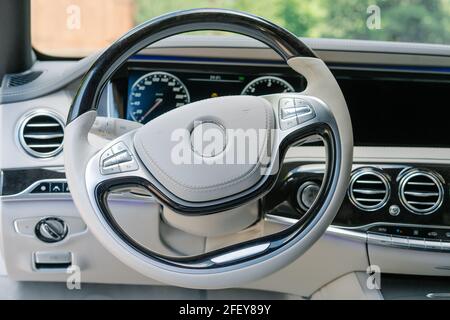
{"x":307,"y":194}
{"x":51,"y":230}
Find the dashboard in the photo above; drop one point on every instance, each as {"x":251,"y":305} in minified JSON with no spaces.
{"x":397,"y":211}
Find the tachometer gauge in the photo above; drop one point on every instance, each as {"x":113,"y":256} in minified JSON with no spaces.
{"x":154,"y":94}
{"x":267,"y":85}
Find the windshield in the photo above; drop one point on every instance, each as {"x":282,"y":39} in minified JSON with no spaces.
{"x":76,"y":28}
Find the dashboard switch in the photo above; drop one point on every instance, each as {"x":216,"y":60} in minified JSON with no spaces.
{"x":107,"y":154}
{"x":288,"y":123}
{"x":43,"y":187}
{"x":287,"y":103}
{"x":52,"y":260}
{"x":110,"y":162}
{"x":122,"y":157}
{"x":128,"y":166}
{"x":51,"y":230}
{"x":57,"y":187}
{"x":294,"y":112}
{"x":111,"y":169}
{"x":118,"y":148}
{"x":394,"y":210}
{"x":287,"y":113}
{"x":25,"y":226}
{"x":305,"y":114}
{"x":307,"y":194}
{"x":300,"y":103}
{"x":117,"y":159}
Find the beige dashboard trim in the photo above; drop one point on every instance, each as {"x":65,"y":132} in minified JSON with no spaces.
{"x":329,"y":50}
{"x":330,"y":56}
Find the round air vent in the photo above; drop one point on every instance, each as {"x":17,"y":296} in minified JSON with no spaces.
{"x":369,"y":189}
{"x":41,"y":134}
{"x":421,"y":192}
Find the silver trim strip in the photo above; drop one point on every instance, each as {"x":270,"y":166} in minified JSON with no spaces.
{"x":439,"y":295}
{"x":349,"y":234}
{"x":333,"y":230}
{"x":27,"y":193}
{"x":242,"y":253}
{"x":361,"y":234}
{"x":391,"y":224}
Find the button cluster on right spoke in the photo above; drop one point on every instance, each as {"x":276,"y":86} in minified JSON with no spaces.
{"x":117,"y":159}
{"x":294,"y":111}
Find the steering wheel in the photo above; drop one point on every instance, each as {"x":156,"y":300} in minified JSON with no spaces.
{"x":208,"y":192}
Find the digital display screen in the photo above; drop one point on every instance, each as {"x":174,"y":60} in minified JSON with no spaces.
{"x":152,"y":93}
{"x":398,"y":112}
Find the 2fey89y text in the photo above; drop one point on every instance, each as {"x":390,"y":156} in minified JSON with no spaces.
{"x":231,"y":309}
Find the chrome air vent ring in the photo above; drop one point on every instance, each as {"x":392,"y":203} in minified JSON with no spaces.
{"x":41,"y":134}
{"x":421,"y":192}
{"x":369,"y":189}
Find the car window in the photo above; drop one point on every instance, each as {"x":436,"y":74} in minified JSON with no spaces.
{"x":76,"y":28}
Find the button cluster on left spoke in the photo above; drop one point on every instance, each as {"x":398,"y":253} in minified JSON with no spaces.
{"x":117,"y":159}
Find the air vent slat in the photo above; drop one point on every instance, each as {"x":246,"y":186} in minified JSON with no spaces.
{"x":370,"y":182}
{"x":17,"y":80}
{"x":42,"y":134}
{"x":421,"y":192}
{"x":368,"y":200}
{"x":369,"y":189}
{"x":43,"y":146}
{"x":421,"y":183}
{"x":422,"y":203}
{"x":42,"y":125}
{"x":366,"y":191}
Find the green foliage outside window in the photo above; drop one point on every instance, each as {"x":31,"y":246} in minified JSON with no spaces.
{"x":400,"y":20}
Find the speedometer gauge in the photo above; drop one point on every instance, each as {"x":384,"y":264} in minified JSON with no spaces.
{"x":154,"y":94}
{"x":267,"y":85}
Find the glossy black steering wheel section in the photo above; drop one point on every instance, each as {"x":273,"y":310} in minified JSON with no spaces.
{"x":286,"y":44}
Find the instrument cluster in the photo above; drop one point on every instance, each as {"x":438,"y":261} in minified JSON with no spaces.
{"x":150,"y":93}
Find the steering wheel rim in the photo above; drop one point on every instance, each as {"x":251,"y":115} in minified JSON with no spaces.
{"x":257,"y":257}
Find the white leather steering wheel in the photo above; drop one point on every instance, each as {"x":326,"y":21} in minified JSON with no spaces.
{"x":210,"y":191}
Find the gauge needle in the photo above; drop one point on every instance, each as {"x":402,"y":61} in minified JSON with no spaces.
{"x":155,"y":105}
